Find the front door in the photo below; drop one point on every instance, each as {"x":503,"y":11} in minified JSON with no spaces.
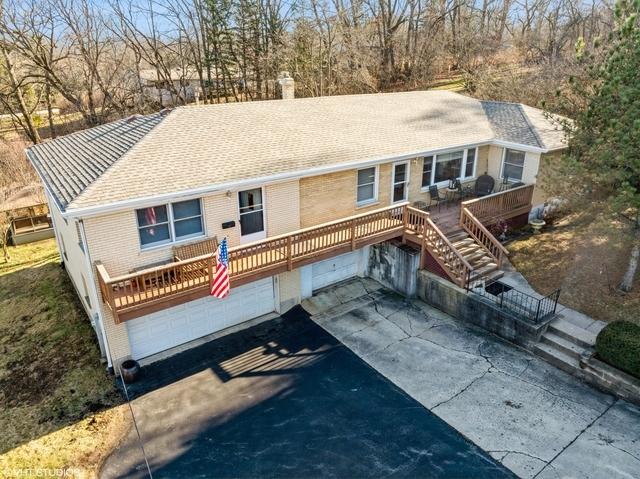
{"x":251,"y":206}
{"x":399,"y":186}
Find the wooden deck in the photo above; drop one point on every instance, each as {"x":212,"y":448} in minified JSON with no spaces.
{"x":150,"y":290}
{"x":146,"y":291}
{"x":505,"y":205}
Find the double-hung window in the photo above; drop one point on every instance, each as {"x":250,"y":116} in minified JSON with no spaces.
{"x":438,"y":169}
{"x":367,"y":186}
{"x":513,"y":165}
{"x":164,"y":224}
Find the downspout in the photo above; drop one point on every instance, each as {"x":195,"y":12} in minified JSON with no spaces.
{"x":94,"y":295}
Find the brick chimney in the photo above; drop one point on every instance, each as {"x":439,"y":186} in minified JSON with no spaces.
{"x":287,"y":86}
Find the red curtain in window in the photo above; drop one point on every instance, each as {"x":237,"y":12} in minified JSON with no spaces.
{"x":150,"y":217}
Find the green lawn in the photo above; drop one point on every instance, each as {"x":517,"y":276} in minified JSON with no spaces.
{"x":58,"y":406}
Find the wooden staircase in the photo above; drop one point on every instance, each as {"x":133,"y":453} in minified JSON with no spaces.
{"x":483,"y":265}
{"x":467,"y":255}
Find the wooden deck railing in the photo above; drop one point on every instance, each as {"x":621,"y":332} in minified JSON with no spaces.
{"x":432,"y":239}
{"x":505,"y":204}
{"x":483,"y":236}
{"x":447,"y":256}
{"x":132,"y":295}
{"x":142,"y":292}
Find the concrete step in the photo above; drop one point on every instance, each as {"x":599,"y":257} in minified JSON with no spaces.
{"x":563,"y":345}
{"x":573,"y":333}
{"x":557,"y":358}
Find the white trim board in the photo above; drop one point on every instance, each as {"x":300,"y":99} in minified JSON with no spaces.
{"x":141,"y":202}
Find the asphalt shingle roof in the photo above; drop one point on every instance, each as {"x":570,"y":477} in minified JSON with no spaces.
{"x":509,"y":123}
{"x":203,"y":146}
{"x":69,"y":164}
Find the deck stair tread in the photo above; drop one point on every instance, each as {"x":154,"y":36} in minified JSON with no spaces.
{"x":468,"y":249}
{"x":464,"y":242}
{"x":486,"y":269}
{"x":458,"y":237}
{"x":481,"y":261}
{"x":573,"y":333}
{"x":474,"y":256}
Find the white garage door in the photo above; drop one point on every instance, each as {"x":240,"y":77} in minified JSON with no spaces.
{"x":336,"y":269}
{"x":171,"y":327}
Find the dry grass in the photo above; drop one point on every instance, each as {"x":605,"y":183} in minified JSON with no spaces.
{"x":585,"y":255}
{"x":59,"y":408}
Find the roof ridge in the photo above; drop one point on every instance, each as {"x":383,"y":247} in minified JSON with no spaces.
{"x":530,"y":125}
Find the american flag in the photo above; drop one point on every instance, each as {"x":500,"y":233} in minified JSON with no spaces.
{"x":220,"y":286}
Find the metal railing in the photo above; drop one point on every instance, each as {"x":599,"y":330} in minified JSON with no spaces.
{"x":516,"y":302}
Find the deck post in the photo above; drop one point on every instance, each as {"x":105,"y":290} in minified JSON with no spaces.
{"x":289,"y":253}
{"x":405,"y":222}
{"x":353,"y":235}
{"x":210,"y":270}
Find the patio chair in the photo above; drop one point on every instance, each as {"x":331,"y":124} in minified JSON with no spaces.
{"x":484,"y":185}
{"x":463,"y":191}
{"x":434,"y":197}
{"x":201,"y":248}
{"x":193,"y":250}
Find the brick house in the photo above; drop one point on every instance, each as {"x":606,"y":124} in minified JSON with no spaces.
{"x":300,"y":187}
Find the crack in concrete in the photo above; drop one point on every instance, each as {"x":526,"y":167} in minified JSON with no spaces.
{"x":519,"y":378}
{"x":586,"y":428}
{"x":463,"y":389}
{"x":623,"y":450}
{"x":508,"y":451}
{"x":376,"y":304}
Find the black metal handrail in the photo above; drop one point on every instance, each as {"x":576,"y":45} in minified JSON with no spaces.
{"x":517,"y":302}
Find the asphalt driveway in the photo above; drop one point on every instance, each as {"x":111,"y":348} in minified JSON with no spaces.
{"x":286,"y":399}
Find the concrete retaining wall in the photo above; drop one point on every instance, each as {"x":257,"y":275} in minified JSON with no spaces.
{"x":394,"y":265}
{"x":455,"y":301}
{"x":609,"y":379}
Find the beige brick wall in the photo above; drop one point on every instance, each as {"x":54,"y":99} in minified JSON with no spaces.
{"x":333,"y":196}
{"x":283,"y":207}
{"x":113,"y":240}
{"x":482,"y":164}
{"x":494,"y":162}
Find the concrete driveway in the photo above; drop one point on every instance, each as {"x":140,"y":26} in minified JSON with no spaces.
{"x":286,"y":399}
{"x":535,"y":419}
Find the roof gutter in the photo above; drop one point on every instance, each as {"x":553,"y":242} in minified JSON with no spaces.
{"x":518,"y":146}
{"x":147,"y":201}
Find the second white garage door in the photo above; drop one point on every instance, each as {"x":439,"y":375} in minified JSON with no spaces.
{"x":337,"y":269}
{"x":165,"y":329}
